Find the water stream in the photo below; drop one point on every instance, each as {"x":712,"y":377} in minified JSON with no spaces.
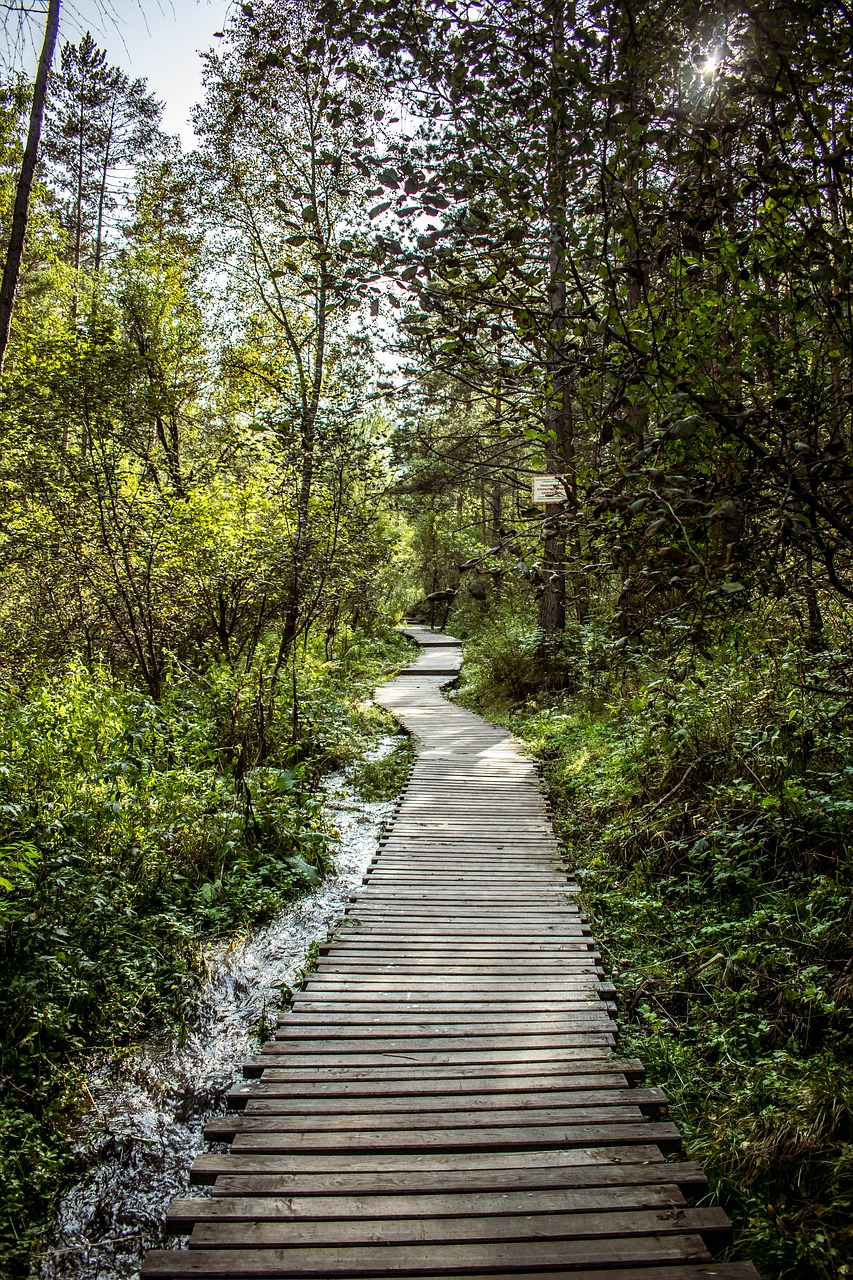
{"x":145,"y":1128}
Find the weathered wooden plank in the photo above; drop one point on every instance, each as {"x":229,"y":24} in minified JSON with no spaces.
{"x":438,"y":1002}
{"x":272,"y":1098}
{"x":654,"y":1271}
{"x":475,"y":1022}
{"x":341,"y":1029}
{"x":421,"y":1184}
{"x":420,"y":1161}
{"x":425,"y":1182}
{"x":622,"y":1223}
{"x":483,"y":1138}
{"x":183,"y":1214}
{"x":565,"y":966}
{"x":395,"y":1070}
{"x":543,"y":980}
{"x":439,"y":1042}
{"x":294,"y":1100}
{"x":569,"y":966}
{"x":566,"y":959}
{"x":444,"y":1082}
{"x":439,"y":935}
{"x":258,"y":1118}
{"x":421,"y":1059}
{"x":389,"y":1260}
{"x":421,"y":1002}
{"x":508,"y":917}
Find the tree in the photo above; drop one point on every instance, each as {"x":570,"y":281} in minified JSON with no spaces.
{"x":20,"y":214}
{"x":100,"y":125}
{"x":623,"y":195}
{"x":282,"y":136}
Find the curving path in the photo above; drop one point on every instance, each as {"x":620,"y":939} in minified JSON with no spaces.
{"x":443,"y":1099}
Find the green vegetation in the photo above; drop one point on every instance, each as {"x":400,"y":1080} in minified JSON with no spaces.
{"x":706,"y":806}
{"x":128,"y":842}
{"x":611,"y":243}
{"x":383,"y":777}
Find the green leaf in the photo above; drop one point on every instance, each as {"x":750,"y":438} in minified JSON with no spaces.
{"x":298,"y":864}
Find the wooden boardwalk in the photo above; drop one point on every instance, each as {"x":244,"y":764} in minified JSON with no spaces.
{"x":444,"y":1098}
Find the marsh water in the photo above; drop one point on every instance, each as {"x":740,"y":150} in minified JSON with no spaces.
{"x":138,"y":1141}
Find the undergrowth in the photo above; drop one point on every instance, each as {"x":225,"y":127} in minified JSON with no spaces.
{"x":131,"y":835}
{"x":707,"y":809}
{"x":382,"y":777}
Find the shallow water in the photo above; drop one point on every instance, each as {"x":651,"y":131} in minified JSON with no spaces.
{"x":145,"y":1128}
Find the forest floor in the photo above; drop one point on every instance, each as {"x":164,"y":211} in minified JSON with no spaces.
{"x":715,"y":860}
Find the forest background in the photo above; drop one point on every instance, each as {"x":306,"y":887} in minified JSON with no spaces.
{"x":264,"y":397}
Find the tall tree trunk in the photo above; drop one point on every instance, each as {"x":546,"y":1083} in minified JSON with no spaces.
{"x":78,"y":230}
{"x":21,"y":212}
{"x":311,"y":405}
{"x":496,"y":502}
{"x":496,"y":495}
{"x":102,"y":193}
{"x":559,"y":447}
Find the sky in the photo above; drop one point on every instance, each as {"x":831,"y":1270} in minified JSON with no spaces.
{"x":157,"y":39}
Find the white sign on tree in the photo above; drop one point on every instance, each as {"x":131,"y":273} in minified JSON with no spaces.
{"x":550,"y":488}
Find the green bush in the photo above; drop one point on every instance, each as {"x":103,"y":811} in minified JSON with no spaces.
{"x":131,"y":833}
{"x":707,"y":810}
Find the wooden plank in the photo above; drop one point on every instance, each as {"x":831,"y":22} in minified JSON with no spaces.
{"x":563,"y":968}
{"x":440,"y":1073}
{"x":539,"y":1176}
{"x":468,"y":1096}
{"x":438,"y":1002}
{"x":541,"y":980}
{"x":507,"y":917}
{"x":438,"y":1042}
{"x":484,"y":1138}
{"x":423,"y":1059}
{"x":446,"y":1083}
{"x":622,"y":1223}
{"x":423,"y":1185}
{"x":566,"y":959}
{"x":566,"y":968}
{"x":390,"y":1260}
{"x":654,"y":1271}
{"x":421,"y":1161}
{"x":272,"y":1098}
{"x":439,"y":935}
{"x":342,"y":1029}
{"x":382,"y":885}
{"x":341,"y":1125}
{"x":184,"y":1213}
{"x":512,"y":942}
{"x":341,"y":1021}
